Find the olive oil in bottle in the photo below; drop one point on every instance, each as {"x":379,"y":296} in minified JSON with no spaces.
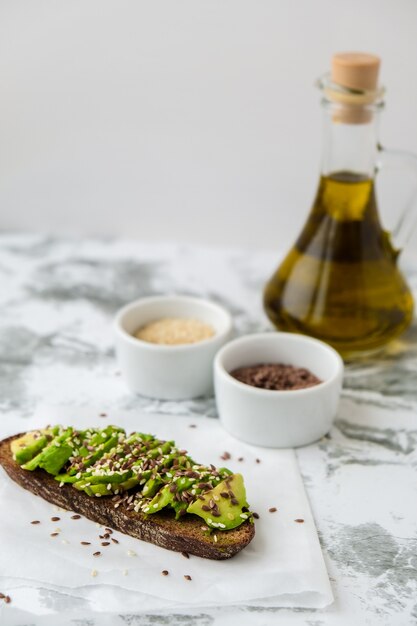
{"x":341,"y":282}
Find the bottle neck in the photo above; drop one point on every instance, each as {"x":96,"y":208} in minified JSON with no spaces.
{"x":349,"y":147}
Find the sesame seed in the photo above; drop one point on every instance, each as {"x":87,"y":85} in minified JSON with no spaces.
{"x":215,"y":538}
{"x":273,"y":509}
{"x":65,"y":541}
{"x":125,"y":572}
{"x":94,"y":573}
{"x":131,"y":553}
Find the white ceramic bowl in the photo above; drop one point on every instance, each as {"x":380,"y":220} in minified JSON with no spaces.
{"x":278,"y":419}
{"x":169,"y":372}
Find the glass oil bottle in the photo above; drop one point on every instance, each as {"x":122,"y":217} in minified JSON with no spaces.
{"x":341,"y":282}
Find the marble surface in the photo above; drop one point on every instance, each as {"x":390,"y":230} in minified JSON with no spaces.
{"x":57,"y":299}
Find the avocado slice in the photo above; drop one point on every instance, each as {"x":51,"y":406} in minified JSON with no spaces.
{"x":222,"y":507}
{"x":102,"y":441}
{"x":53,"y":456}
{"x":29,"y":445}
{"x":166,"y":495}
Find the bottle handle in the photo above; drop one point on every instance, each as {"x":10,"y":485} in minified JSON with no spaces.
{"x":407,"y":219}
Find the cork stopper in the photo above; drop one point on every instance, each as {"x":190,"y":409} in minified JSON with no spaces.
{"x":356,"y":70}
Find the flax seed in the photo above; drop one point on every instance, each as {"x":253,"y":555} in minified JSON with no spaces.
{"x":164,"y":572}
{"x":273,"y":509}
{"x":185,"y":554}
{"x":75,"y":516}
{"x":85,"y":543}
{"x":187,"y":577}
{"x":105,"y":543}
{"x":96,"y":553}
{"x":299,"y":521}
{"x":55,"y":519}
{"x":35,"y":521}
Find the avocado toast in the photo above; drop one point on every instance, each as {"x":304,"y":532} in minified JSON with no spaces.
{"x":140,"y":485}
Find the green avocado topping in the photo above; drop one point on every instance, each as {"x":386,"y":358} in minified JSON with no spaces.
{"x":143,"y":473}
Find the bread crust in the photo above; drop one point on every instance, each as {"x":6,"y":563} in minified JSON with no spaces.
{"x":160,"y":529}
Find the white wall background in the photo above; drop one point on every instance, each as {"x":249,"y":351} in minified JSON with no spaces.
{"x":183,"y":120}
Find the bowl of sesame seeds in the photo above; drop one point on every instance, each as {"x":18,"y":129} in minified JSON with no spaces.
{"x":165,"y":345}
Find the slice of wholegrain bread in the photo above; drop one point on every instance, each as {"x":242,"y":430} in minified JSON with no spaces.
{"x":161,"y":528}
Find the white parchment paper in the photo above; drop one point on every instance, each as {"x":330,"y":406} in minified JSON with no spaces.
{"x":283,"y":565}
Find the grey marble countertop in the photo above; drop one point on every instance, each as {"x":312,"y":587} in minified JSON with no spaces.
{"x":57,"y":300}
